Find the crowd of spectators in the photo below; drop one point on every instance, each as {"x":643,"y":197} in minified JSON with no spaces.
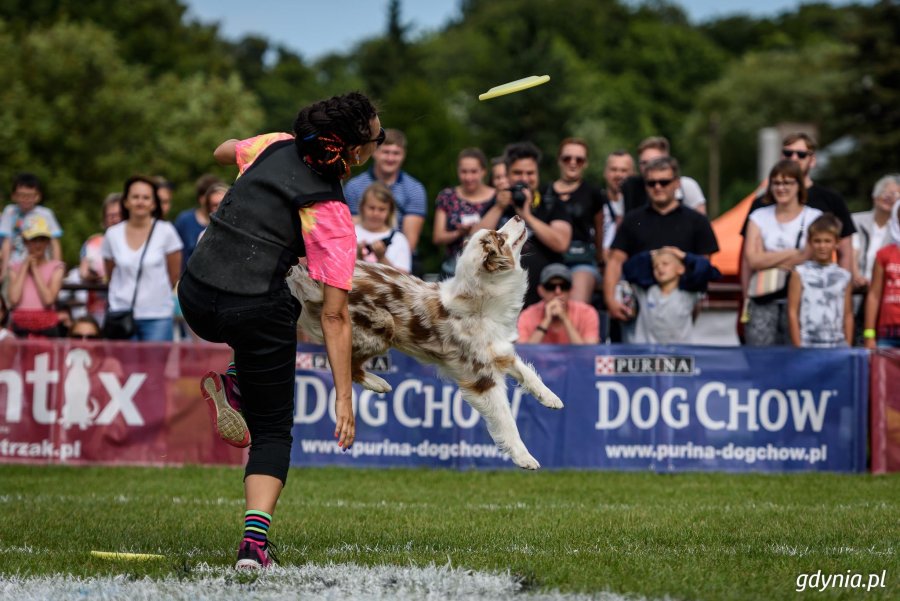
{"x":622,"y":260}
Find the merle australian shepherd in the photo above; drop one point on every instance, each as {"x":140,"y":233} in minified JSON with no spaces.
{"x":465,"y":325}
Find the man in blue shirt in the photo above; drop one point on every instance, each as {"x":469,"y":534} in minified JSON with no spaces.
{"x":409,"y":193}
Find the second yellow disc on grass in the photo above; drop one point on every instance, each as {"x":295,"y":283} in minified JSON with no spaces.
{"x":126,"y":556}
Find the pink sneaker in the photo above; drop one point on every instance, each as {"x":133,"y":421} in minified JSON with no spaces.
{"x":232,"y":392}
{"x":225,"y":411}
{"x":252,"y":556}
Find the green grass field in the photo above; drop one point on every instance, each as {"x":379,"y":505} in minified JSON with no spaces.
{"x":686,"y":536}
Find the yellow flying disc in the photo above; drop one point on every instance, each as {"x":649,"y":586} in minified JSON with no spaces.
{"x":126,"y":556}
{"x":514,"y":86}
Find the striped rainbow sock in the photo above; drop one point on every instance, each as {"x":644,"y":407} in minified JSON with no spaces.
{"x":256,"y":526}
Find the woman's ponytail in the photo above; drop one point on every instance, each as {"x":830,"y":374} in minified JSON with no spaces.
{"x":323,"y":131}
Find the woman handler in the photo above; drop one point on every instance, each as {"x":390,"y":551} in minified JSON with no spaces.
{"x":287,"y":202}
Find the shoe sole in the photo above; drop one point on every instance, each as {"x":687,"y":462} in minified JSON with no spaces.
{"x":230,"y":425}
{"x":248,"y":564}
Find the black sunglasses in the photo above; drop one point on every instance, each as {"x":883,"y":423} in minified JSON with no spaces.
{"x":801,"y":154}
{"x":378,"y":140}
{"x":569,"y":159}
{"x":652,"y":183}
{"x":562,"y":286}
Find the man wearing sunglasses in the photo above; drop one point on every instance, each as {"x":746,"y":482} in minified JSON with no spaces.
{"x":663,"y":222}
{"x":801,"y":148}
{"x":408,"y":192}
{"x":634,"y":193}
{"x":557,"y":319}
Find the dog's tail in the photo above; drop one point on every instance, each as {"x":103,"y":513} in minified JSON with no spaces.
{"x":303,"y":287}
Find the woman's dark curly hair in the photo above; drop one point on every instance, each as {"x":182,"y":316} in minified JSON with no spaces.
{"x":324,"y":130}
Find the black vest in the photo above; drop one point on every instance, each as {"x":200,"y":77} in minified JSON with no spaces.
{"x":255,"y":235}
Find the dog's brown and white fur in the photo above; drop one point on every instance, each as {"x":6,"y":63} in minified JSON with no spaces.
{"x":465,"y":325}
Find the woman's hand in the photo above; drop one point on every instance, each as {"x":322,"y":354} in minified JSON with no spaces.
{"x":378,"y":249}
{"x":504,"y":198}
{"x":345,"y":429}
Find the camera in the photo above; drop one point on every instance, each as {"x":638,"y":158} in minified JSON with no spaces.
{"x":518,"y":193}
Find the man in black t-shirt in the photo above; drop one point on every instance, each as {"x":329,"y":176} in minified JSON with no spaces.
{"x":801,"y":148}
{"x":663,"y":222}
{"x":548,"y":224}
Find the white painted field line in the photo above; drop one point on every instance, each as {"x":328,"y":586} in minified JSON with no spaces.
{"x":333,"y":581}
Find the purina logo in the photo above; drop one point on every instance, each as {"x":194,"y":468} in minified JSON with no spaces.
{"x":640,"y":365}
{"x":319,"y":361}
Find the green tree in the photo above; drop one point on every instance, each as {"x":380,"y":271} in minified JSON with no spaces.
{"x":869,"y":106}
{"x":153,"y":33}
{"x":74,"y":112}
{"x":760,"y":90}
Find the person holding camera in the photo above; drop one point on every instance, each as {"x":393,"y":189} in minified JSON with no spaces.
{"x":549,"y":229}
{"x":377,"y":241}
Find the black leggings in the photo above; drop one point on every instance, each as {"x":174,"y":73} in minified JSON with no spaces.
{"x":262,"y":330}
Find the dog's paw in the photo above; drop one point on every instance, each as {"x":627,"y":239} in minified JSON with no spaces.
{"x":372,"y":382}
{"x":552,"y":401}
{"x":525,"y":461}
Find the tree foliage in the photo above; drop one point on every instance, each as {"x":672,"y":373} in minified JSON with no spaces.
{"x":759,"y":90}
{"x":92,"y":91}
{"x":868,"y":107}
{"x":74,"y":112}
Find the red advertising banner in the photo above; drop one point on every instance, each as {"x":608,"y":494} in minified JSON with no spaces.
{"x":885,"y":411}
{"x":103,"y":402}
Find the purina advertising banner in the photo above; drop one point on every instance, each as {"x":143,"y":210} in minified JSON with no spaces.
{"x":664,"y":409}
{"x":108,"y":403}
{"x":626,"y":408}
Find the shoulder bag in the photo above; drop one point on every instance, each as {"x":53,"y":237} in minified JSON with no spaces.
{"x":120,"y":325}
{"x":771,"y":284}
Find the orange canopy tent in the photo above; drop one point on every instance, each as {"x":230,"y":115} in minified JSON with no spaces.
{"x":727,"y":228}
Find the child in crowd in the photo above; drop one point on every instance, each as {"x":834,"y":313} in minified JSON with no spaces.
{"x":819,"y":303}
{"x":91,"y":268}
{"x":85,"y":328}
{"x":882,"y":322}
{"x":377,"y":241}
{"x":34,"y":284}
{"x":667,"y":304}
{"x":27,"y":193}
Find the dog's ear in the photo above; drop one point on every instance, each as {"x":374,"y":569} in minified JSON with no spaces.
{"x":496,"y":256}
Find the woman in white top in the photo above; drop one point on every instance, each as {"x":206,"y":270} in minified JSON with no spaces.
{"x":776,"y":237}
{"x":123,"y":245}
{"x":377,"y":241}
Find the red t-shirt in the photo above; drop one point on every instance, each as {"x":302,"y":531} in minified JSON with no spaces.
{"x":889,"y":311}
